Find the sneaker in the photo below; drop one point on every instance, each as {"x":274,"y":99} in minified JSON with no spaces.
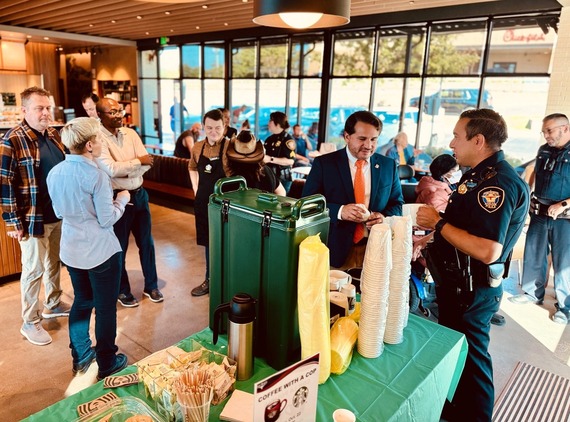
{"x":82,"y":367}
{"x":154,"y":295}
{"x":61,"y":310}
{"x":560,"y":317}
{"x":524,"y":299}
{"x":121,"y":362}
{"x":497,"y":319}
{"x":202,"y":289}
{"x":35,"y":333}
{"x":127,"y":301}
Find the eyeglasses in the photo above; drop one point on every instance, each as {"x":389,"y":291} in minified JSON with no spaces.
{"x":548,"y":132}
{"x":115,"y":112}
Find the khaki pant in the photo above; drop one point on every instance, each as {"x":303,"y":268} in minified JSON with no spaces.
{"x":40,"y":264}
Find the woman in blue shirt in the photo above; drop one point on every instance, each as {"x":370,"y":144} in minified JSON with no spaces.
{"x":82,"y":196}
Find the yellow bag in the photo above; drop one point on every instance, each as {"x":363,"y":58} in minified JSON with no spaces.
{"x":344,"y":333}
{"x":313,"y":303}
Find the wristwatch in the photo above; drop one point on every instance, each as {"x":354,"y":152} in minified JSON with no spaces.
{"x":564,"y":204}
{"x":270,"y":158}
{"x":439,"y":225}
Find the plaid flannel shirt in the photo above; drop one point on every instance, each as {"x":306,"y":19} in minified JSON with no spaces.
{"x":20,"y":158}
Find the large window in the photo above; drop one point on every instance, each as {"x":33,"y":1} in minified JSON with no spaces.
{"x":178,"y":102}
{"x":416,"y":78}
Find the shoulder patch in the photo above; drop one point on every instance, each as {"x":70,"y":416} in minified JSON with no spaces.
{"x":291,"y":144}
{"x":491,"y":198}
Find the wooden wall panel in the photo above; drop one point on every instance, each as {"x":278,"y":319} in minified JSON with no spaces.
{"x":10,"y":256}
{"x":43,"y":59}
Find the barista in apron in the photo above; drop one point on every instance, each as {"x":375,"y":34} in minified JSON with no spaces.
{"x":210,"y":170}
{"x":207,"y":165}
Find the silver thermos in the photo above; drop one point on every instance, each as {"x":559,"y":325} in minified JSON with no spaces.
{"x":241,"y":315}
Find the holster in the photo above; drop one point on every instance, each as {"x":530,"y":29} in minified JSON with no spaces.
{"x":449,"y":268}
{"x":286,"y":174}
{"x":538,"y":208}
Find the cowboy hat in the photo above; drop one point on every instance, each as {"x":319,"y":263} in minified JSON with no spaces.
{"x":245,"y":148}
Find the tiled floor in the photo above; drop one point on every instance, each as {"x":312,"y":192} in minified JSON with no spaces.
{"x":33,"y":377}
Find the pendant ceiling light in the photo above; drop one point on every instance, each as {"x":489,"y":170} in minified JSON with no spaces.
{"x":301,"y":13}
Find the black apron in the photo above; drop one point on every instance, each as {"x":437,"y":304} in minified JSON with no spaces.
{"x":209,"y":170}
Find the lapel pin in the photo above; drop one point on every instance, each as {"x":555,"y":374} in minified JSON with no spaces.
{"x":376,"y":166}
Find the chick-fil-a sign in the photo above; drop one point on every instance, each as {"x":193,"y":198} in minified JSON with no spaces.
{"x":511,"y":36}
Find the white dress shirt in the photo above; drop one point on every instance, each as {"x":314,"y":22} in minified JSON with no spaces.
{"x":119,"y":158}
{"x":367,"y":179}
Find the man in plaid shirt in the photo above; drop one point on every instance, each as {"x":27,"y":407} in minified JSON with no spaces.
{"x":27,"y":153}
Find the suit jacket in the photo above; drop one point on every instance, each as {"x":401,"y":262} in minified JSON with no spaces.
{"x":330,"y":177}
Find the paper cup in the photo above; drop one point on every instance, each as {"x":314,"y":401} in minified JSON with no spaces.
{"x":343,"y":415}
{"x":412,"y":211}
{"x":341,"y":277}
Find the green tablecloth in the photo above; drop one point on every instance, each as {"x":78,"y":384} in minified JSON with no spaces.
{"x":408,"y":382}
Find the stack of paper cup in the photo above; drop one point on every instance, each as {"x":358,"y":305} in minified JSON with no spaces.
{"x":374,"y":287}
{"x":398,"y":302}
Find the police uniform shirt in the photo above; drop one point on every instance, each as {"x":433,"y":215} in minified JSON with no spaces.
{"x":552,"y":171}
{"x":280,"y":145}
{"x":491,"y":202}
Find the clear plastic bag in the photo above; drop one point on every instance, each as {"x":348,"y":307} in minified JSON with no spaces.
{"x":313,"y":303}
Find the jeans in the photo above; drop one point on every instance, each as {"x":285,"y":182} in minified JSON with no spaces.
{"x":546,"y":235}
{"x":96,"y":288}
{"x":136,"y":219}
{"x":40,"y":264}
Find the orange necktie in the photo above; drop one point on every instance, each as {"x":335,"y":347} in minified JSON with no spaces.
{"x":359,"y":197}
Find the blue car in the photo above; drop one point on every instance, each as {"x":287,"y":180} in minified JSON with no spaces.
{"x":453,"y":100}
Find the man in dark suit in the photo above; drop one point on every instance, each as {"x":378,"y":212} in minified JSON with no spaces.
{"x":333,"y":176}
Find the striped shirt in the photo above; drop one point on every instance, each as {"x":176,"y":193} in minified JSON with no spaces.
{"x":20,"y":158}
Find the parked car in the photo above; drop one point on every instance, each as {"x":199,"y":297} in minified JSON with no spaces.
{"x":453,"y":100}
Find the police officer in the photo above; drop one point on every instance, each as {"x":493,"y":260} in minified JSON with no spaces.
{"x":549,"y":228}
{"x":280,"y":148}
{"x":470,"y":253}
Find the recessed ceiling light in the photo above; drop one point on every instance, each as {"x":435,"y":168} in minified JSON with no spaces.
{"x":167,"y":13}
{"x":225,"y":24}
{"x":197,"y":27}
{"x":90,"y":25}
{"x":147,"y":33}
{"x":172,"y":30}
{"x":139,"y":17}
{"x":46,"y":38}
{"x":113,"y":21}
{"x":204,"y":6}
{"x":28,"y":36}
{"x":244,"y":1}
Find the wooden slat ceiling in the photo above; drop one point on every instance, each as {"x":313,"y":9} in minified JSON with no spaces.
{"x":139,"y":19}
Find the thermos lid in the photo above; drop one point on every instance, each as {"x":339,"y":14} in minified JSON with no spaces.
{"x":242,"y":309}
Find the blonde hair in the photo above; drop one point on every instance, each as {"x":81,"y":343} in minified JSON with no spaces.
{"x":78,"y":132}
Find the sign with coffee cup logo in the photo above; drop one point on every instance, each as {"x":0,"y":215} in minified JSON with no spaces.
{"x":289,"y":395}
